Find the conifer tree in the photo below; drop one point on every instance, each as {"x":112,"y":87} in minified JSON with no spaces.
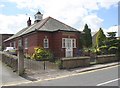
{"x":87,"y":37}
{"x":100,"y":38}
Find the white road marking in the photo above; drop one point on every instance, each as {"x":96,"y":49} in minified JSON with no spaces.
{"x":108,"y":82}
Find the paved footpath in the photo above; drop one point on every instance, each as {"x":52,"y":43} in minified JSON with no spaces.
{"x":57,"y":73}
{"x":8,"y":77}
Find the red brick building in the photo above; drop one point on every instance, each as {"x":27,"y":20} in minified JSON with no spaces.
{"x":61,"y":39}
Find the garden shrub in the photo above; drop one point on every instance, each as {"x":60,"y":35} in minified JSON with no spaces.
{"x":90,"y":51}
{"x":86,"y":52}
{"x":59,"y":63}
{"x":113,"y":50}
{"x":98,"y":51}
{"x":42,"y":54}
{"x":27,"y":56}
{"x":104,"y":49}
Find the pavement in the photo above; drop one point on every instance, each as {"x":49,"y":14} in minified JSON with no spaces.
{"x":8,"y":77}
{"x":99,"y":77}
{"x":49,"y":74}
{"x":98,"y":66}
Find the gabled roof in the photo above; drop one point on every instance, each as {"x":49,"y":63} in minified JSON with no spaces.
{"x":48,"y":24}
{"x":94,"y":33}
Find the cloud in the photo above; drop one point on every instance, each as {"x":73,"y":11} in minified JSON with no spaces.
{"x":72,"y":12}
{"x":113,"y":29}
{"x":108,"y":3}
{"x":91,"y":5}
{"x":93,"y":21}
{"x":29,"y":4}
{"x":12,"y":24}
{"x":2,"y":6}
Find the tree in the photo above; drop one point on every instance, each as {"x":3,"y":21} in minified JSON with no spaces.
{"x":81,"y":41}
{"x":112,"y":35}
{"x":112,"y":40}
{"x":112,"y":43}
{"x":100,"y":38}
{"x":87,"y":37}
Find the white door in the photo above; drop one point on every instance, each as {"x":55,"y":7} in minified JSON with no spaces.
{"x":69,"y":48}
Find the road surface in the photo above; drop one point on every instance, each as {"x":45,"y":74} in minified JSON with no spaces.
{"x":101,"y":77}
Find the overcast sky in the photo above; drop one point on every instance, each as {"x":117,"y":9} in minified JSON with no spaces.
{"x":76,"y":13}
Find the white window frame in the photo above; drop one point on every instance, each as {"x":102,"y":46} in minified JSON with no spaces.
{"x":46,"y":43}
{"x":19,"y":43}
{"x":68,"y":43}
{"x":63,"y":42}
{"x":66,"y":40}
{"x":26,"y":43}
{"x":74,"y":43}
{"x":14,"y":45}
{"x":10,"y":44}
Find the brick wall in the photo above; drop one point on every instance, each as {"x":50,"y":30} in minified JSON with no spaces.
{"x":57,"y":44}
{"x":106,"y":58}
{"x":35,"y":39}
{"x":10,"y":60}
{"x":74,"y":62}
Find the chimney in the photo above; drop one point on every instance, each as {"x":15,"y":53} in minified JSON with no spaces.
{"x":29,"y":22}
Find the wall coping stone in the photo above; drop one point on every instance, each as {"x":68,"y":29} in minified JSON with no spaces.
{"x":109,"y":55}
{"x":9,"y":55}
{"x":76,"y":58}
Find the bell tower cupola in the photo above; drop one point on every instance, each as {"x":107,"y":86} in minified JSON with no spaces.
{"x":38,"y":16}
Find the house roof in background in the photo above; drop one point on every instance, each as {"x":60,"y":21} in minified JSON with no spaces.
{"x":94,"y":33}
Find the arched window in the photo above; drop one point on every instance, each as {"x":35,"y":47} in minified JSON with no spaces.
{"x":26,"y":43}
{"x":46,"y":43}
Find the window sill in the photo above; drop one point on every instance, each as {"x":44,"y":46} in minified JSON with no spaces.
{"x":46,"y":47}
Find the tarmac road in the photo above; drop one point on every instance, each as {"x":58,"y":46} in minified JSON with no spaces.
{"x":100,"y":77}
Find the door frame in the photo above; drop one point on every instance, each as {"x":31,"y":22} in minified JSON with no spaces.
{"x":69,"y":47}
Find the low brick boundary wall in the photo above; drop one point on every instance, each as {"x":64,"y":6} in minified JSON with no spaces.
{"x":74,"y":62}
{"x":10,"y":60}
{"x":39,"y":65}
{"x":106,"y":58}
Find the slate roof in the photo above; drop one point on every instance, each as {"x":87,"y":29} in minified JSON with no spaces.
{"x":48,"y":24}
